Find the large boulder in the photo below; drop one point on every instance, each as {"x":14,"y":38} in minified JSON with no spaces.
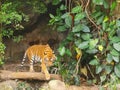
{"x":57,"y":85}
{"x":8,"y":85}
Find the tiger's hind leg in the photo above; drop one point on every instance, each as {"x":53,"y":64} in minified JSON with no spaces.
{"x":31,"y":66}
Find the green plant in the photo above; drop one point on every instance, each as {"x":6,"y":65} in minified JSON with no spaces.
{"x":12,"y":15}
{"x":95,"y":33}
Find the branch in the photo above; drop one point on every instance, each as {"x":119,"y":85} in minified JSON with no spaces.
{"x":4,"y":74}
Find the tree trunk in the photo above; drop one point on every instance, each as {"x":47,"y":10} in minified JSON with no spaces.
{"x":4,"y":74}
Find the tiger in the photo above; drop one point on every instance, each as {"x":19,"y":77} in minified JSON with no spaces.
{"x":40,"y":53}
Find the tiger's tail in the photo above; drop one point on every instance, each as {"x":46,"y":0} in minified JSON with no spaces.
{"x":24,"y":58}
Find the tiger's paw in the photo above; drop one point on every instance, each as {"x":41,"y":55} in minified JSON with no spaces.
{"x":31,"y":70}
{"x":47,"y":76}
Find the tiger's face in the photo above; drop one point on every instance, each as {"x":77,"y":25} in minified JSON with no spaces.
{"x":49,"y":57}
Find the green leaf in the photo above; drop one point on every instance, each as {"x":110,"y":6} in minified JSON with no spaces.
{"x":117,"y":46}
{"x":92,"y":51}
{"x":105,"y":19}
{"x":65,"y":15}
{"x":77,"y":42}
{"x":83,"y":45}
{"x":61,"y":50}
{"x":103,"y":78}
{"x":106,"y":4}
{"x":79,"y":16}
{"x":61,"y":28}
{"x":109,"y":58}
{"x":114,"y":39}
{"x":76,"y":9}
{"x":86,"y":36}
{"x":117,"y":70}
{"x":93,"y":43}
{"x":68,"y":21}
{"x":77,"y":28}
{"x":51,"y":16}
{"x":113,"y":5}
{"x":98,"y":2}
{"x":68,"y":52}
{"x":118,"y":23}
{"x":98,"y":69}
{"x":85,"y":28}
{"x":94,"y":62}
{"x":55,"y":2}
{"x":116,"y":58}
{"x":97,"y":14}
{"x":108,"y":69}
{"x":62,"y":7}
{"x":114,"y":52}
{"x":100,"y":19}
{"x":104,"y":26}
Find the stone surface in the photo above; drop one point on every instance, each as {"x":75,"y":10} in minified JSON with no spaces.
{"x":8,"y":85}
{"x":57,"y":85}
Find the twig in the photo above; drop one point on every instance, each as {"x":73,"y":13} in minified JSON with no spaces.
{"x":89,"y":16}
{"x":90,"y":71}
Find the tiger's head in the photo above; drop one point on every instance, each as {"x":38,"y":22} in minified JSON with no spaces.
{"x":49,"y":56}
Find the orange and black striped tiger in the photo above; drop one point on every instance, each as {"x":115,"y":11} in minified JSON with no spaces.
{"x":40,"y":53}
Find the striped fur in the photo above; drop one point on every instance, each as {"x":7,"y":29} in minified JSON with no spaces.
{"x":40,"y":53}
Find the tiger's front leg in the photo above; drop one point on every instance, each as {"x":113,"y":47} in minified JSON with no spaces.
{"x":44,"y":69}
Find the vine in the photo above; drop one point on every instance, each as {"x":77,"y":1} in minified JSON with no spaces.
{"x":92,"y":40}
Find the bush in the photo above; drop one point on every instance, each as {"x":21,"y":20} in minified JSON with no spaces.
{"x":92,"y":40}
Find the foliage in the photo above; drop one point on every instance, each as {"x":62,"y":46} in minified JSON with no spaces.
{"x":95,"y":33}
{"x":12,"y":17}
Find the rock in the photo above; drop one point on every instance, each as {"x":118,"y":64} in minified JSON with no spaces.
{"x":8,"y":85}
{"x":56,"y":85}
{"x":118,"y":86}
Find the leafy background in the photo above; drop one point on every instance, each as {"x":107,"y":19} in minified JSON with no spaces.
{"x":91,"y":47}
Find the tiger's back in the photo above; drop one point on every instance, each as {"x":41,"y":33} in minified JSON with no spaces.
{"x":40,"y":53}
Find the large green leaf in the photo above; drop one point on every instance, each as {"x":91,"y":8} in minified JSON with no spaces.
{"x":113,"y":5}
{"x":61,"y":50}
{"x":102,"y":78}
{"x":61,"y":28}
{"x":76,"y":9}
{"x":117,"y":70}
{"x":93,"y":43}
{"x":114,"y":39}
{"x":98,"y":69}
{"x":106,"y":4}
{"x":68,"y":52}
{"x":83,"y":45}
{"x":116,"y":58}
{"x":117,"y":46}
{"x":55,"y":2}
{"x":94,"y":62}
{"x":109,"y":58}
{"x":86,"y":36}
{"x":108,"y":69}
{"x":118,"y":23}
{"x":77,"y":28}
{"x":79,"y":16}
{"x":92,"y":51}
{"x":68,"y":21}
{"x":114,"y":52}
{"x":85,"y":28}
{"x":100,"y":19}
{"x":65,"y":15}
{"x":98,"y":2}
